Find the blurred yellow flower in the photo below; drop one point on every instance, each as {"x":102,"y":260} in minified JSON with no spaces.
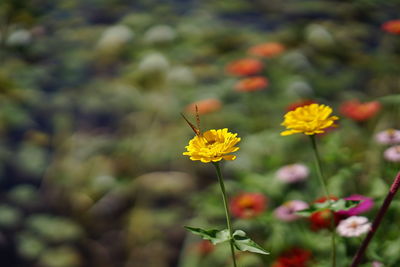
{"x":310,"y":120}
{"x":213,"y":146}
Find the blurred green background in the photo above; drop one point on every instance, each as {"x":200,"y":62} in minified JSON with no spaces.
{"x":91,"y":137}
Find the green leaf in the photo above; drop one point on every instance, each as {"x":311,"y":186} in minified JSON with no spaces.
{"x":243,"y":243}
{"x":215,"y":236}
{"x":333,"y":205}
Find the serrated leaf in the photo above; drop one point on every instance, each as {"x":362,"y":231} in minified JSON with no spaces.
{"x":333,"y":205}
{"x":243,"y":243}
{"x":215,"y":236}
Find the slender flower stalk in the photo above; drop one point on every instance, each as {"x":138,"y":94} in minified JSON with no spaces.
{"x":227,"y":213}
{"x":388,"y":200}
{"x":311,"y":120}
{"x":320,"y":175}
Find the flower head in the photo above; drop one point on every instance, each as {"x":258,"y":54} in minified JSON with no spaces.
{"x":392,"y":26}
{"x":353,"y":226}
{"x":365,"y":205}
{"x":213,"y":146}
{"x":310,"y":120}
{"x":392,"y":154}
{"x":204,"y":106}
{"x":295,"y":257}
{"x":248,"y":205}
{"x":204,"y":247}
{"x":287,"y":211}
{"x":357,"y":111}
{"x":292,"y":173}
{"x":388,"y":137}
{"x":243,"y":67}
{"x":267,"y":49}
{"x":323,"y":219}
{"x":251,"y":84}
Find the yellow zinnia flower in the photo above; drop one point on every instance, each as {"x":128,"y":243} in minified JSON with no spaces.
{"x":213,"y":146}
{"x":310,"y":120}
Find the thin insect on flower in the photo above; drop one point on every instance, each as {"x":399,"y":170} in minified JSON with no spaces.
{"x":212,"y":145}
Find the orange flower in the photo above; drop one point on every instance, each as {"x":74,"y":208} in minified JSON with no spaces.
{"x":300,"y":103}
{"x":266,"y":49}
{"x":248,"y":205}
{"x":204,"y":106}
{"x":243,"y":67}
{"x":392,"y":26}
{"x":357,"y":111}
{"x":251,"y":84}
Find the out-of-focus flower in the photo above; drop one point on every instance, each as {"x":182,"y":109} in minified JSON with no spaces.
{"x":160,"y":34}
{"x":377,"y":264}
{"x":248,"y":205}
{"x":323,"y":219}
{"x":243,"y":67}
{"x":287,"y":211}
{"x":114,"y":37}
{"x":204,"y":247}
{"x":365,"y":205}
{"x":388,"y":137}
{"x":357,"y":111}
{"x":293,"y":173}
{"x":318,"y":36}
{"x":353,"y":226}
{"x":155,"y":62}
{"x":213,"y":146}
{"x":251,"y":84}
{"x":204,"y":106}
{"x":298,"y":87}
{"x":392,"y":26}
{"x":295,"y":257}
{"x":20,"y":37}
{"x":181,"y":76}
{"x":392,"y":154}
{"x":300,"y":103}
{"x":267,"y":49}
{"x":310,"y":120}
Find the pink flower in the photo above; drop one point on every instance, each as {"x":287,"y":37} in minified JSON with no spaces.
{"x":377,"y":264}
{"x":248,"y":205}
{"x":287,"y":211}
{"x":292,"y":173}
{"x":353,"y":226}
{"x":365,"y":205}
{"x":392,"y":154}
{"x":388,"y":137}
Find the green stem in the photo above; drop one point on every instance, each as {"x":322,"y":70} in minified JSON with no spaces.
{"x":227,"y":215}
{"x":318,"y":164}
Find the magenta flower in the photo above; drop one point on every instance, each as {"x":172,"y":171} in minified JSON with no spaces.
{"x":287,"y":211}
{"x":292,"y":173}
{"x":365,"y":205}
{"x":388,"y":137}
{"x":392,"y":154}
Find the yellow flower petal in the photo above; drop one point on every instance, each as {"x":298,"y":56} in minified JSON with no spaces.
{"x":213,"y":146}
{"x":311,"y":119}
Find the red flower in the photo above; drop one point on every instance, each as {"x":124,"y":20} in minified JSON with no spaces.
{"x":323,"y":219}
{"x":204,"y":247}
{"x":204,"y":106}
{"x":243,"y":67}
{"x":295,"y":257}
{"x":300,"y":103}
{"x":357,"y":111}
{"x":267,"y":49}
{"x":251,"y":84}
{"x":392,"y":26}
{"x":248,"y":205}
